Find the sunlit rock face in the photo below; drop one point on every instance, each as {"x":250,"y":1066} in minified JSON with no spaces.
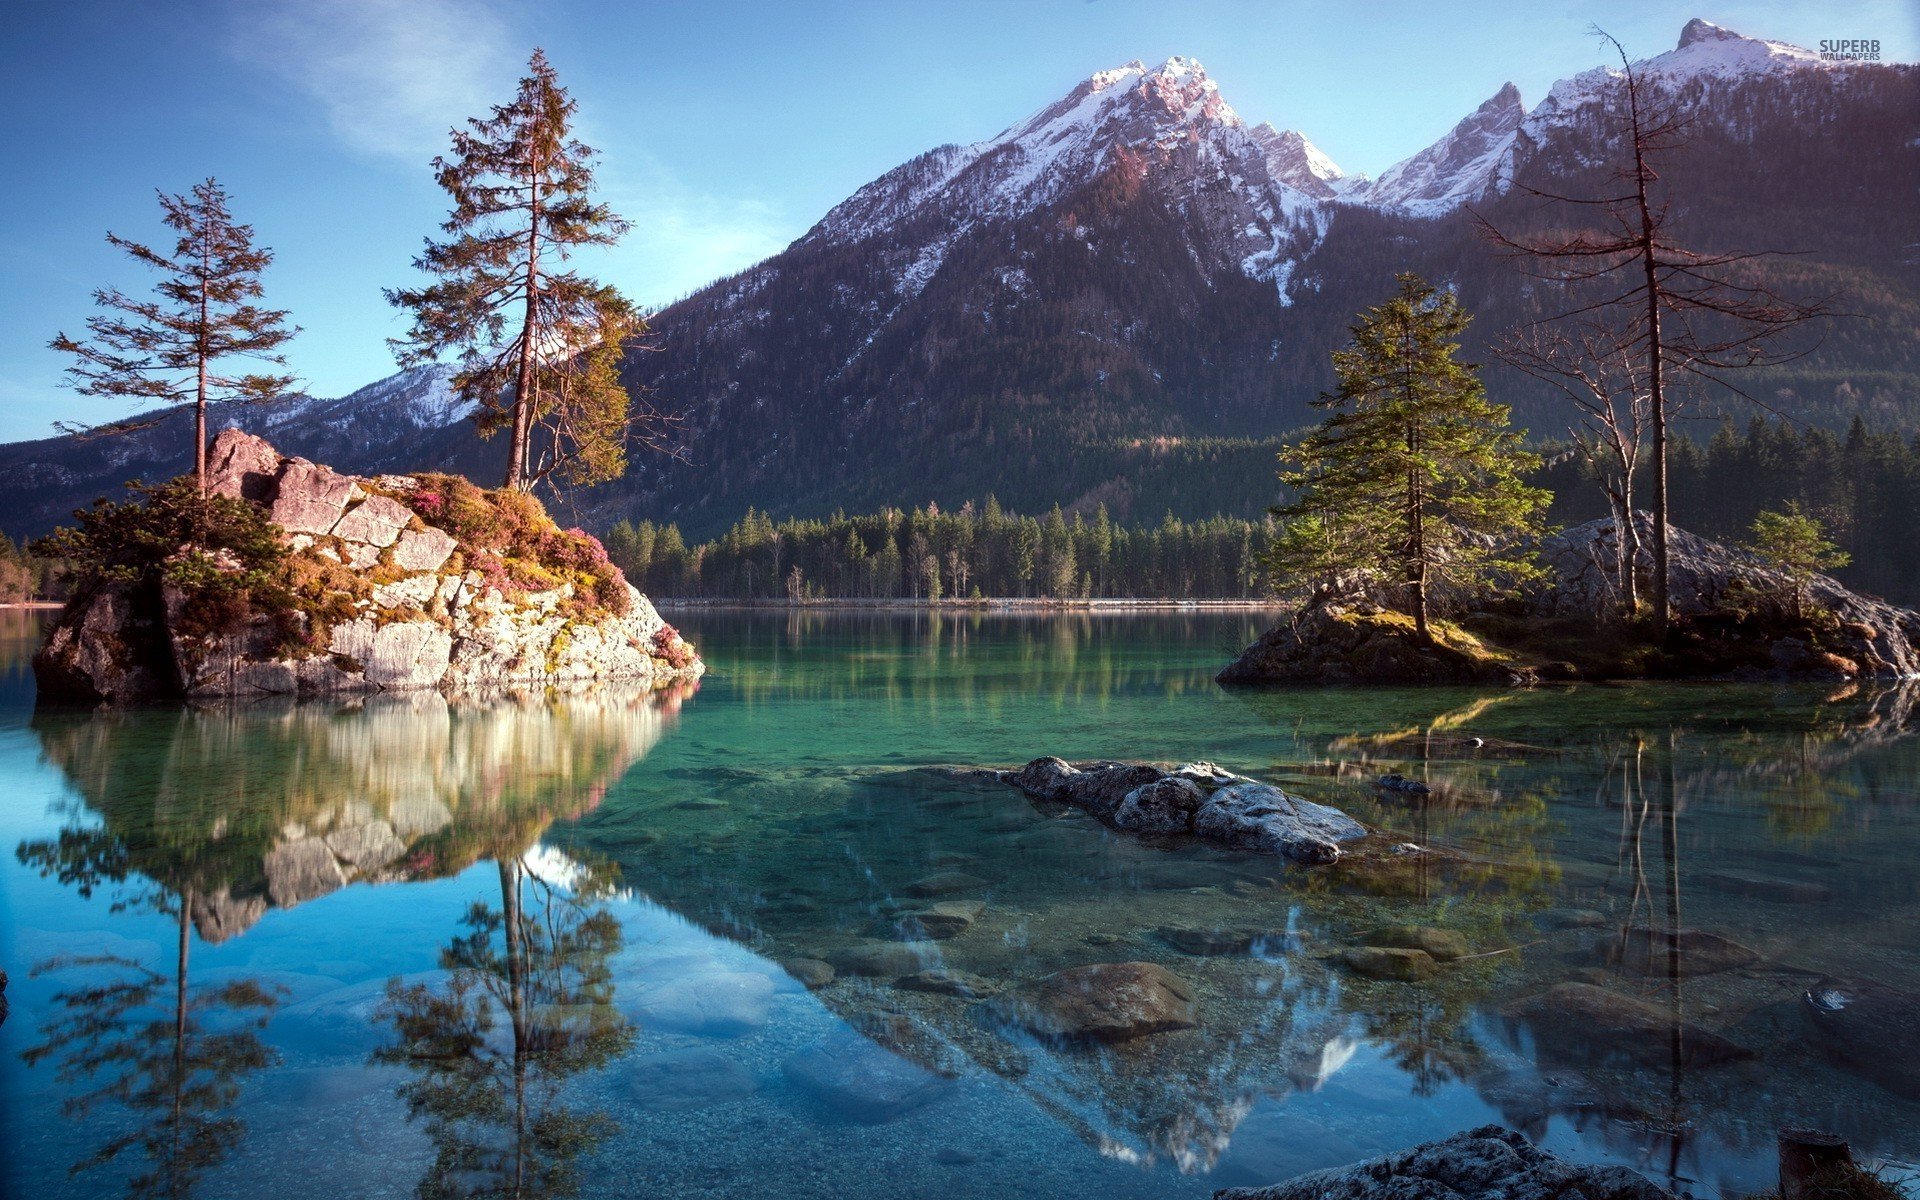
{"x":396,"y":583}
{"x":248,"y":808}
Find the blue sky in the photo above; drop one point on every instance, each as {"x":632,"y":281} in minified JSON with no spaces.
{"x":727,"y":128}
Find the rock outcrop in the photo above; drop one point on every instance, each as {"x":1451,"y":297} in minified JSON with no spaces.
{"x":1730,"y":622}
{"x":1873,"y":639}
{"x":1488,"y":1163}
{"x":1337,"y":645}
{"x":1198,"y":799}
{"x":387,"y":595}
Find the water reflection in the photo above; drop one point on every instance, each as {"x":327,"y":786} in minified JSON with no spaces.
{"x":489,"y":1098}
{"x":1646,"y":883}
{"x":217,"y":817}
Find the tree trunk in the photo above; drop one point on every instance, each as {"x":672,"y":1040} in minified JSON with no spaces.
{"x":200,"y":393}
{"x":1662,"y":599}
{"x":523,"y":398}
{"x":517,"y":1011}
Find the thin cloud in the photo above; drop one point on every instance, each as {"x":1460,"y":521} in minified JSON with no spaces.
{"x":392,"y":76}
{"x":682,"y":240}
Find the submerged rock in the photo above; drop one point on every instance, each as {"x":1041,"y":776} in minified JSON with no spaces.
{"x":945,"y":919}
{"x":883,"y":958}
{"x":1647,"y":951}
{"x":1488,"y":1163}
{"x":1871,"y":1028}
{"x":1442,"y":945}
{"x":861,"y":1081}
{"x":811,"y":973}
{"x":724,"y":1004}
{"x":944,"y":981}
{"x":1198,"y":799}
{"x":1238,"y":940}
{"x":678,"y":1080}
{"x":944,"y":883}
{"x":1106,"y":1002}
{"x":1586,"y":1023}
{"x":1391,"y":962}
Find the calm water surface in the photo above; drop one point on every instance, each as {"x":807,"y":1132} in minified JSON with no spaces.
{"x":540,"y":945}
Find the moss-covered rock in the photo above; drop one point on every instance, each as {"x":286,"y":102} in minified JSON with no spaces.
{"x":1333,"y":644}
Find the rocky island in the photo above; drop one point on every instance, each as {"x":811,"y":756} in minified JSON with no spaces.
{"x":291,"y":578}
{"x":1735,"y":617}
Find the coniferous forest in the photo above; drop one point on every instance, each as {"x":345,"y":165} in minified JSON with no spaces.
{"x":1863,"y":486}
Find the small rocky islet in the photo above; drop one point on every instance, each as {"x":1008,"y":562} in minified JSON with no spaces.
{"x":387,"y":583}
{"x":1565,"y":626}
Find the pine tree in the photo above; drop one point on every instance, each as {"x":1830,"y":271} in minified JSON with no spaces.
{"x":538,"y":344}
{"x":171,"y":350}
{"x":1415,"y":476}
{"x":1795,"y":544}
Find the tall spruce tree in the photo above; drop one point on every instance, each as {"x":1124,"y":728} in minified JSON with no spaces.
{"x":170,"y":351}
{"x":1414,"y":477}
{"x":537,"y":343}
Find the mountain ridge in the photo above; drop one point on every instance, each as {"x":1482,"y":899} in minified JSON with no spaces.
{"x":1068,"y":310}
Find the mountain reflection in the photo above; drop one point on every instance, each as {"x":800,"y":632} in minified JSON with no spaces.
{"x":215,"y":817}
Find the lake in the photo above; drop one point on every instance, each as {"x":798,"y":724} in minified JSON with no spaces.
{"x":545,"y":945}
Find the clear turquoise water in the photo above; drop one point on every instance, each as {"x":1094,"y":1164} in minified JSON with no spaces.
{"x":668,"y":854}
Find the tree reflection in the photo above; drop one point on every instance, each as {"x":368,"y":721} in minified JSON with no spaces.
{"x":216,"y":817}
{"x":172,"y":1055}
{"x":528,"y":1005}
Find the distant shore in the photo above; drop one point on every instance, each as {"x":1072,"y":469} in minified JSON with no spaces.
{"x":32,"y":604}
{"x":998,"y":604}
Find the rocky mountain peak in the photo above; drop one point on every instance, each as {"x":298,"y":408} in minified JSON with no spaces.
{"x":1697,"y":31}
{"x":1297,"y":162}
{"x":1460,"y":166}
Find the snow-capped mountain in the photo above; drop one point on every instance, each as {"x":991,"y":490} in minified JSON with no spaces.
{"x":408,"y":421}
{"x":1107,"y":301}
{"x":1485,"y":151}
{"x":1255,"y":191}
{"x":1458,"y":168}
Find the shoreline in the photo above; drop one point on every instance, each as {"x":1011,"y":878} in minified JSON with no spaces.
{"x":997,"y":605}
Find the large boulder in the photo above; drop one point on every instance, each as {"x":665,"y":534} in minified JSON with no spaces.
{"x":1873,"y":638}
{"x":1488,"y":1163}
{"x":1198,"y":799}
{"x":406,"y":605}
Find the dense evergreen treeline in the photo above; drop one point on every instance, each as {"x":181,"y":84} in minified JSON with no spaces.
{"x":1862,"y":484}
{"x":926,"y":553}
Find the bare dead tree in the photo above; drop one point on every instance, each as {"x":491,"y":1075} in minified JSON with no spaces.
{"x":1602,"y":378}
{"x":1687,"y":316}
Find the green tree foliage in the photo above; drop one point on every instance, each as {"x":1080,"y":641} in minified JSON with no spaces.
{"x":502,"y":299}
{"x":170,"y":352}
{"x":1414,"y":477}
{"x":1862,"y":483}
{"x":174,"y":535}
{"x":930,"y":553}
{"x":1795,"y":544}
